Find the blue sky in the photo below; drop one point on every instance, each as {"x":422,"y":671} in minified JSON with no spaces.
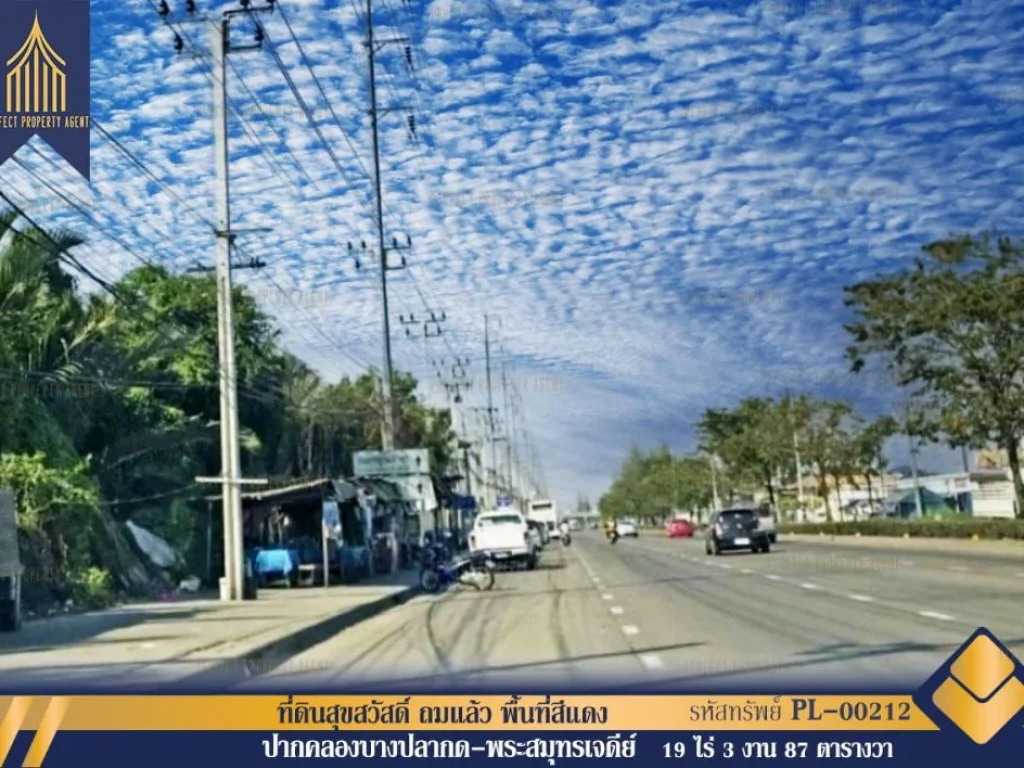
{"x":660,"y":200}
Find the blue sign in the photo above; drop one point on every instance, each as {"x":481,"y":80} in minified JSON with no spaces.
{"x":504,"y":501}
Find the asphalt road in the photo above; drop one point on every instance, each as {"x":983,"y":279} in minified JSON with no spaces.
{"x":659,"y":612}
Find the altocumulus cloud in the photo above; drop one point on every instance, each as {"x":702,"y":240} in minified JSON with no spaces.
{"x":661,"y":201}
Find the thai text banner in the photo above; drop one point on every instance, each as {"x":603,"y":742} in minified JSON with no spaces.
{"x":484,"y":713}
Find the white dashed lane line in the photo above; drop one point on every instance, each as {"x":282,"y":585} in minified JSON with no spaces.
{"x":616,"y":610}
{"x":772,"y":577}
{"x":862,"y":598}
{"x":607,"y":597}
{"x":651,"y":661}
{"x":935,"y":615}
{"x":808,"y":585}
{"x":629,"y":629}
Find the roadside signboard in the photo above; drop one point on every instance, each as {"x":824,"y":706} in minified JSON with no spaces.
{"x":389,"y":464}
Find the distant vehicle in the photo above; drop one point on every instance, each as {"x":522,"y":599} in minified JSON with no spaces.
{"x":575,"y":525}
{"x":679,"y":529}
{"x":628,"y":528}
{"x":767,"y":518}
{"x":736,"y":529}
{"x":505,"y":535}
{"x":544,"y":511}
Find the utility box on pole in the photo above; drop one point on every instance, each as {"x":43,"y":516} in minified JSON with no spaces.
{"x":10,"y":565}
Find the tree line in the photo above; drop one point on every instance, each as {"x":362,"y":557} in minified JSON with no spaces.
{"x":109,"y":407}
{"x":947,"y":328}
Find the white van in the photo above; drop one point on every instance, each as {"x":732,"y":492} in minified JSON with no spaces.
{"x":544,"y":512}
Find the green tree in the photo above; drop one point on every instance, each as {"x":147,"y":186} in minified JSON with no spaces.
{"x":951,"y":328}
{"x":751,"y":439}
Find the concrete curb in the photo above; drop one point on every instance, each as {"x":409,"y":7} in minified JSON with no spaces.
{"x":274,"y":653}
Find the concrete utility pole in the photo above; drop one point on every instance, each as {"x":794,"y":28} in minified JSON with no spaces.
{"x":388,"y":423}
{"x":490,"y":401}
{"x":232,"y":586}
{"x":229,"y":448}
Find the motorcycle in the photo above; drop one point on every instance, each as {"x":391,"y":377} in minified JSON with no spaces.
{"x":613,"y":536}
{"x":566,"y":539}
{"x":475,"y":570}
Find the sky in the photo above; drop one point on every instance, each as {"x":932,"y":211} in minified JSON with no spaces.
{"x":657,"y":204}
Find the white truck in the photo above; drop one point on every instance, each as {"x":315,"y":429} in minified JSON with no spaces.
{"x":505,"y":536}
{"x":544,"y":512}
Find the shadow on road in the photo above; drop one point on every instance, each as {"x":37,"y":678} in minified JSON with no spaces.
{"x":77,"y":629}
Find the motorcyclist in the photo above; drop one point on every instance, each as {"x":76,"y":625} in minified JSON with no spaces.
{"x":563,"y":528}
{"x":613,"y":530}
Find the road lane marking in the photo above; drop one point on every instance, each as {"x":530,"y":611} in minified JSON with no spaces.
{"x":651,"y":661}
{"x":629,"y":629}
{"x":808,"y":585}
{"x":935,"y":615}
{"x":607,"y":597}
{"x":906,"y":562}
{"x":862,"y":598}
{"x":595,"y":579}
{"x":746,"y":571}
{"x":616,"y":610}
{"x":772,"y":577}
{"x":959,"y":569}
{"x":726,"y":567}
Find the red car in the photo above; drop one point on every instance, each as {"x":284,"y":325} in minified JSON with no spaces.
{"x":678,"y":529}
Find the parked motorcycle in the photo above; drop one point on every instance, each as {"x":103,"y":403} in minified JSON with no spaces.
{"x":475,"y":570}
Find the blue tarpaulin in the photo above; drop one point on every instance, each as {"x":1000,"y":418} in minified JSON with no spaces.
{"x":282,"y":561}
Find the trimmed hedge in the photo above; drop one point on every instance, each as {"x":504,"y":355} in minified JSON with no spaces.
{"x":943,"y":528}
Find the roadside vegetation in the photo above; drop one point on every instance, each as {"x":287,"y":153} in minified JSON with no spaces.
{"x":947,"y":329}
{"x":109,"y":409}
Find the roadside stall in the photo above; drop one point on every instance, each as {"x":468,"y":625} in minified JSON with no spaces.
{"x":297,"y":534}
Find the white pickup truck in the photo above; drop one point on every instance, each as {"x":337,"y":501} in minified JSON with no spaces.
{"x":505,"y":536}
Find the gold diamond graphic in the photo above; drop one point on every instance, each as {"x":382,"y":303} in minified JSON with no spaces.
{"x":982,"y":667}
{"x":982,"y":695}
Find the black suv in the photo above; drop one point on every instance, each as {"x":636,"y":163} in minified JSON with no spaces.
{"x":736,"y":529}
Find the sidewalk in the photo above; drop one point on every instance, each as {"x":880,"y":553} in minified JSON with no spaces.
{"x":197,"y":643}
{"x":1008,"y":549}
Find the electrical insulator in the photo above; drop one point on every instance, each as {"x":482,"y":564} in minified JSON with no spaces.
{"x":179,"y":44}
{"x":394,"y":243}
{"x":412,"y":124}
{"x":190,"y":6}
{"x":408,"y":241}
{"x":363,"y":243}
{"x":408,"y":55}
{"x":358,"y":265}
{"x":164,"y":10}
{"x":259,"y":35}
{"x":245,"y":3}
{"x":403,"y":261}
